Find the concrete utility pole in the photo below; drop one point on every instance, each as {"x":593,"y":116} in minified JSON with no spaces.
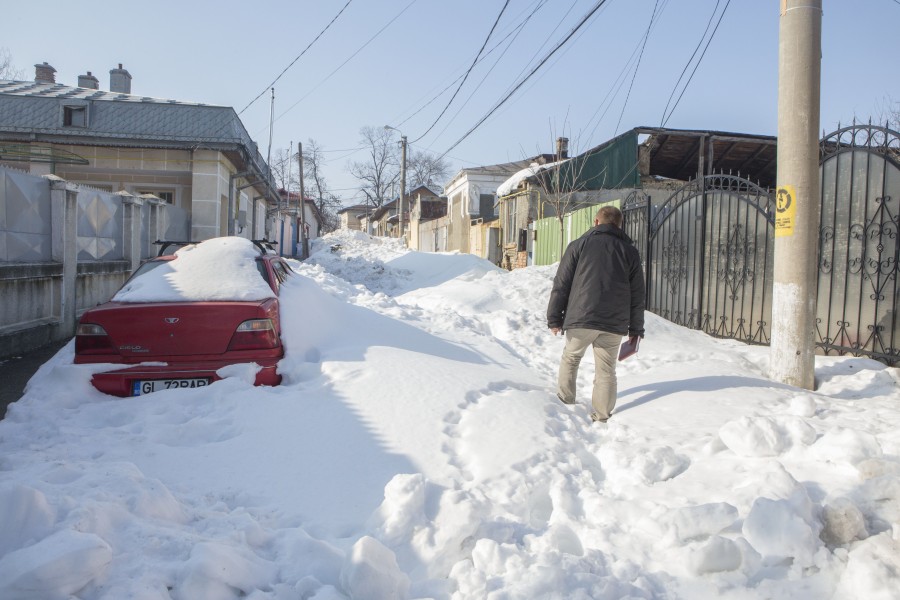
{"x":798,"y":195}
{"x":303,"y":241}
{"x":402,"y":175}
{"x":402,"y":179}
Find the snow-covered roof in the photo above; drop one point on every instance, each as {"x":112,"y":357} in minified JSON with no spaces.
{"x":513,"y":182}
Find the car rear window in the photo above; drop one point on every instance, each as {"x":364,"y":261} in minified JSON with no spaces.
{"x":224,"y":269}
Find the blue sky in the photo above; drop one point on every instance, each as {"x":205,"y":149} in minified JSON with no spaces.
{"x":228,"y":52}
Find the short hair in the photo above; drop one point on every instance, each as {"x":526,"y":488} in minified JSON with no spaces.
{"x":609,"y":215}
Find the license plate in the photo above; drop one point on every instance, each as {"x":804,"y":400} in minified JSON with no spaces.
{"x":154,"y":385}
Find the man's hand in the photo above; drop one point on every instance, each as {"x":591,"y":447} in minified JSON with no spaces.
{"x":555,"y":330}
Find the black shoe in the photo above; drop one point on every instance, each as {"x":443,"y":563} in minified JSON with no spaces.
{"x":596,"y":418}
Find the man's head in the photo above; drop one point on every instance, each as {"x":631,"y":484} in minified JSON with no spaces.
{"x":609,"y":215}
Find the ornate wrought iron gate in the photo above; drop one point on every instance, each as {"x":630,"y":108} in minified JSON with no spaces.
{"x":710,"y":263}
{"x":859,"y":250}
{"x":707,"y":250}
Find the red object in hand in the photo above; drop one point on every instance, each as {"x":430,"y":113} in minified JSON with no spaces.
{"x":629,"y":347}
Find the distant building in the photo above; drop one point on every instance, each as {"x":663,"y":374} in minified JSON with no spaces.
{"x":350,"y":216}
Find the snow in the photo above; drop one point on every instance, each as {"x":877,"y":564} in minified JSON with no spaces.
{"x":511,"y":184}
{"x":416,"y":450}
{"x":196,"y":275}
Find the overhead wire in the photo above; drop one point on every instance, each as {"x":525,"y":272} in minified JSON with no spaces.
{"x":637,"y":66}
{"x":556,"y":59}
{"x":514,"y":31}
{"x":619,"y":82}
{"x":688,"y":63}
{"x":285,"y":70}
{"x":699,"y":60}
{"x":468,"y":71}
{"x":518,"y":31}
{"x":351,"y":57}
{"x":547,"y":57}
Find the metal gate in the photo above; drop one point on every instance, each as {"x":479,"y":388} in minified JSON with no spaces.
{"x":708,"y":259}
{"x":858,"y":293}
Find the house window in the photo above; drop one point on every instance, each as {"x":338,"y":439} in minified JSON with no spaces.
{"x":168,"y":197}
{"x":75,"y":116}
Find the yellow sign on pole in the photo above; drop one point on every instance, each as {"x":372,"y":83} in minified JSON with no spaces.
{"x":785,"y":211}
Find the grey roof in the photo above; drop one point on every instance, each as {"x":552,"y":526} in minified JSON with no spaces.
{"x":29,"y":107}
{"x":31,"y":111}
{"x":59,"y":90}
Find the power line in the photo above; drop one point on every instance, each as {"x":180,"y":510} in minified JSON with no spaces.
{"x":636,"y":67}
{"x":297,"y":58}
{"x":545,"y":42}
{"x":516,"y":31}
{"x":466,"y":76}
{"x":557,"y":58}
{"x":351,"y":57}
{"x":449,"y":85}
{"x":619,"y":82}
{"x":527,"y":77}
{"x":699,"y":60}
{"x":688,"y":63}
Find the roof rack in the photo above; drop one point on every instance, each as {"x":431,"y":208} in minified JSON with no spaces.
{"x":265,"y":246}
{"x":164,"y":245}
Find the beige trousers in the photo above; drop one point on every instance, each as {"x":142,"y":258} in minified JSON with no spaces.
{"x":606,"y":351}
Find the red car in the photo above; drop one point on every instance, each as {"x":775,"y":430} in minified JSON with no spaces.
{"x":180,"y":318}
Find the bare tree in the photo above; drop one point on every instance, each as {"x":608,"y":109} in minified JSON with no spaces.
{"x":7,"y":69}
{"x":285,"y":169}
{"x":317,"y":187}
{"x":423,"y":168}
{"x":562,"y":185}
{"x":380,"y":172}
{"x":889,"y":113}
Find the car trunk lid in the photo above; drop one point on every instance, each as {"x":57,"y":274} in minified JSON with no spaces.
{"x":172,"y":329}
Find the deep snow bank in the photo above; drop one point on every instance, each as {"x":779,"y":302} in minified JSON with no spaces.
{"x":416,"y":450}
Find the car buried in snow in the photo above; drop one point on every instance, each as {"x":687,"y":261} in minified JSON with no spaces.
{"x":182,"y":317}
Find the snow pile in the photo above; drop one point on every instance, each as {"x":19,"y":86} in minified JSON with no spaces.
{"x":217,"y":269}
{"x":416,"y":450}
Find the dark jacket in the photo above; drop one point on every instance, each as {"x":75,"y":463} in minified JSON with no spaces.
{"x":599,"y":284}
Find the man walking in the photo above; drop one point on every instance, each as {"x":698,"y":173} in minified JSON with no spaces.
{"x":597,"y":298}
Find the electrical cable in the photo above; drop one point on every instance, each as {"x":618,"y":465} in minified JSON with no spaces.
{"x":330,"y":23}
{"x":547,"y":57}
{"x":618,"y":83}
{"x":688,"y":63}
{"x":351,"y":57}
{"x":518,"y":31}
{"x":699,"y":60}
{"x":515,"y":31}
{"x":466,"y":76}
{"x":637,"y":67}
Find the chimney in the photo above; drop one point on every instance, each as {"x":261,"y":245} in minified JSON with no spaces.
{"x":44,"y":73}
{"x":88,"y":81}
{"x":120,"y":80}
{"x":562,"y":147}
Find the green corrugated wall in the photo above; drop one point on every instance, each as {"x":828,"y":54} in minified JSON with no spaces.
{"x":546,"y":232}
{"x":613,"y":166}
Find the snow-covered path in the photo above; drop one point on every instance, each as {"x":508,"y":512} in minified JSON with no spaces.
{"x":416,"y":449}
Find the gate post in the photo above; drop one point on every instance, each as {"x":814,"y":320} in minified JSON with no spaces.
{"x":701,"y":275}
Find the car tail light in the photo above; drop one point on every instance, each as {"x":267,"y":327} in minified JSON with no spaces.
{"x":92,"y":339}
{"x":256,"y":334}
